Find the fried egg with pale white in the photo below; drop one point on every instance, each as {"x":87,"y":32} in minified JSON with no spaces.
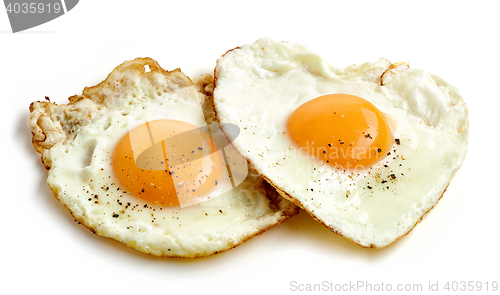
{"x":366,"y":150}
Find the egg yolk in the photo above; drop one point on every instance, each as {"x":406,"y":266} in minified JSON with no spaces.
{"x":343,"y":130}
{"x":167,"y":162}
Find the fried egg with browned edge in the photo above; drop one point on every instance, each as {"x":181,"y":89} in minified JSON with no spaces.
{"x":92,"y":148}
{"x":366,"y":150}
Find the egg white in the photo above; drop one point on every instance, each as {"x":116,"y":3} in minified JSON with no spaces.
{"x":258,"y":86}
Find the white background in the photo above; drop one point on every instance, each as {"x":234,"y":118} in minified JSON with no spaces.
{"x":43,"y":249}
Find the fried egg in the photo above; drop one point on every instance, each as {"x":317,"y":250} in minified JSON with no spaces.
{"x":112,"y":163}
{"x":366,"y":150}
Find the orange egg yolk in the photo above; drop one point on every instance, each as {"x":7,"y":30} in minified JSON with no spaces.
{"x":343,"y":130}
{"x":167,"y":162}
